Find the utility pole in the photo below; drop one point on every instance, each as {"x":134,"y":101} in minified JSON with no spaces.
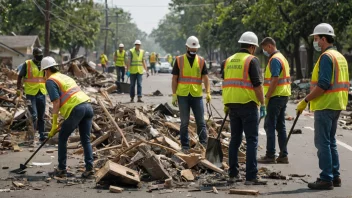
{"x":106,"y":25}
{"x":47,"y":28}
{"x":117,"y":24}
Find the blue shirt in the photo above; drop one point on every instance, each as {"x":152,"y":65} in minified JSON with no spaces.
{"x":53,"y":90}
{"x":275,"y":66}
{"x":325,"y":71}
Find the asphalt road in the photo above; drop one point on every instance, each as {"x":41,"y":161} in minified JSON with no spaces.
{"x":302,"y":156}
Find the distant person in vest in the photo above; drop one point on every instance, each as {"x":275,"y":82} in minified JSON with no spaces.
{"x":135,"y":68}
{"x":103,"y":61}
{"x":152,"y":60}
{"x":277,"y":89}
{"x":120,"y":60}
{"x":242,"y":93}
{"x":34,"y":88}
{"x":169,"y":58}
{"x":328,"y":96}
{"x":188,"y":73}
{"x":73,"y":105}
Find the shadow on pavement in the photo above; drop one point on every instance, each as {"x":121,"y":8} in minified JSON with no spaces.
{"x":297,"y":191}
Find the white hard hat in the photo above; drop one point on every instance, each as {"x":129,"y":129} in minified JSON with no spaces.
{"x":192,"y":42}
{"x":323,"y":28}
{"x":138,"y":42}
{"x":249,"y":38}
{"x":121,"y":45}
{"x":48,"y":62}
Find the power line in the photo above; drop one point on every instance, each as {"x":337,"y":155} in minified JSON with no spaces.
{"x":61,"y":9}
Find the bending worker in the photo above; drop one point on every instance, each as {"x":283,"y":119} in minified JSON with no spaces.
{"x":73,"y":104}
{"x":188,"y":72}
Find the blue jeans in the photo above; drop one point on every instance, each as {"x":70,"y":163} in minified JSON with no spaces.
{"x":244,"y":119}
{"x":275,"y":120}
{"x":134,"y":78}
{"x":81,"y":116}
{"x":37,"y":109}
{"x":120,"y":72}
{"x":186,"y":103}
{"x":325,"y":124}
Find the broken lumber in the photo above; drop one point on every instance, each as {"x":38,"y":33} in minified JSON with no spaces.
{"x":187,"y":174}
{"x":113,"y":121}
{"x":211,"y":166}
{"x":117,"y":173}
{"x":141,"y":119}
{"x":244,"y":192}
{"x":154,"y":167}
{"x":115,"y":189}
{"x":95,"y":142}
{"x":191,"y":159}
{"x":16,"y":148}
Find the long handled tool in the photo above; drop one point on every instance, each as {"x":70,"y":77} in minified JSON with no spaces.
{"x":16,"y":106}
{"x":214,"y":150}
{"x":293,"y":126}
{"x":24,"y":166}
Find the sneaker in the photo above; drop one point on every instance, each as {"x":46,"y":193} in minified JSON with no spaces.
{"x":267,"y":160}
{"x":337,"y":182}
{"x":88,"y":174}
{"x":282,"y":160}
{"x":185,"y":151}
{"x":237,"y":178}
{"x":132,"y":100}
{"x":256,"y":182}
{"x":321,"y":185}
{"x":140,"y":99}
{"x":60,"y":173}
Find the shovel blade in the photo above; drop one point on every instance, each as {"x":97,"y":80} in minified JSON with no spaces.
{"x":19,"y":170}
{"x":214,"y":152}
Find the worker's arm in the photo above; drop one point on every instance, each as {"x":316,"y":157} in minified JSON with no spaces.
{"x":19,"y":83}
{"x":273,"y":84}
{"x":174,"y":83}
{"x":129,"y":61}
{"x":21,"y":74}
{"x":145,"y":66}
{"x":56,"y":106}
{"x":115,"y":57}
{"x":206,"y":83}
{"x":255,"y":74}
{"x":259,"y":94}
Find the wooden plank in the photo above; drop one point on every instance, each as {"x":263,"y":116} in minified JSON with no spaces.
{"x":155,"y":168}
{"x":117,"y":173}
{"x":244,"y":192}
{"x":191,"y":159}
{"x":172,"y":126}
{"x":95,"y":143}
{"x":187,"y":174}
{"x":141,"y":119}
{"x":211,"y":166}
{"x":172,"y":144}
{"x":115,"y":189}
{"x":96,"y":127}
{"x":16,"y":148}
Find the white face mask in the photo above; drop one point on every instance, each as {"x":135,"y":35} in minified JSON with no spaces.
{"x":266,"y":53}
{"x":316,"y":46}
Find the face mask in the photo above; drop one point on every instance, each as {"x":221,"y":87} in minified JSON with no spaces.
{"x":316,"y":46}
{"x":266,"y":53}
{"x":192,"y":54}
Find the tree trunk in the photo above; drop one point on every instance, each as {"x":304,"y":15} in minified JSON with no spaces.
{"x":297,"y":60}
{"x":310,"y":56}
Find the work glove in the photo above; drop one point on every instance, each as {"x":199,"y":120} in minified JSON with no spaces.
{"x":266,"y":101}
{"x":128,"y":73}
{"x":54,"y":127}
{"x":208,"y":98}
{"x":18,"y":92}
{"x":226,"y":109}
{"x":262,"y":111}
{"x":301,"y":106}
{"x":174,"y":100}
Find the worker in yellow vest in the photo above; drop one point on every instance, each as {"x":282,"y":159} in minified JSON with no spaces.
{"x":103,"y":61}
{"x":120,"y":59}
{"x":152,"y":60}
{"x":242,"y":93}
{"x":135,"y":68}
{"x":327,"y":97}
{"x":73,"y":105}
{"x":188,"y":73}
{"x":169,"y":59}
{"x":34,"y":88}
{"x":277,"y":89}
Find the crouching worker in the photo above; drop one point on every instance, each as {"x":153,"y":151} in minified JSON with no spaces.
{"x":74,"y":106}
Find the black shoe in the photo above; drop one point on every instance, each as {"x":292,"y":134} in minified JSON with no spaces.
{"x":266,"y":160}
{"x":88,"y":174}
{"x":132,"y":100}
{"x":60,"y":173}
{"x":256,"y":182}
{"x":237,"y":178}
{"x":140,"y":99}
{"x":337,"y":182}
{"x":321,"y":185}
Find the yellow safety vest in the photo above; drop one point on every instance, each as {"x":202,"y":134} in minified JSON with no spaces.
{"x":336,"y":97}
{"x":103,"y":59}
{"x":237,"y":86}
{"x":34,"y":80}
{"x":71,"y":93}
{"x":190,"y":78}
{"x":284,"y":85}
{"x":137,"y":61}
{"x":120,"y":60}
{"x":152,"y":58}
{"x":169,"y":59}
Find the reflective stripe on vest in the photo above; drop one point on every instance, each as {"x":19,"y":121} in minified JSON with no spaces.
{"x":66,"y":95}
{"x":189,"y":79}
{"x":30,"y":78}
{"x":237,"y":82}
{"x":282,"y":80}
{"x":120,"y":61}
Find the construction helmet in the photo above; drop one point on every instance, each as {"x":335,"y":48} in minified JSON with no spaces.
{"x":138,"y":42}
{"x":192,"y":42}
{"x":48,"y":62}
{"x":249,"y":38}
{"x":323,"y":28}
{"x":121,"y":45}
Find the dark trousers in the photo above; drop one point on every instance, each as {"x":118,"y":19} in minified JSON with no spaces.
{"x":37,"y":109}
{"x":133,"y":79}
{"x":120,"y":72}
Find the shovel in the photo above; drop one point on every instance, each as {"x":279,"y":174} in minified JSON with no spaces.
{"x":293,"y":126}
{"x":22,"y":168}
{"x":214,"y":151}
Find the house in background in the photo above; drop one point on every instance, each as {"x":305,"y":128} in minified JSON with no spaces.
{"x":14,"y":50}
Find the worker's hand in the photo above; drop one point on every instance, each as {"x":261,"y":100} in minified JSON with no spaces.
{"x":301,"y":106}
{"x":54,"y":127}
{"x":262,"y":111}
{"x":18,"y":92}
{"x":128,"y":73}
{"x":174,"y":100}
{"x":147,"y":74}
{"x":226,"y":109}
{"x":266,"y":101}
{"x":208,"y":98}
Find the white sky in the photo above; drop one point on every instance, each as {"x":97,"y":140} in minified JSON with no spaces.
{"x":145,"y":13}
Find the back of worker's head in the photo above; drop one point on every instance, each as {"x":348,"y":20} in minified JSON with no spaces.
{"x":249,"y":41}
